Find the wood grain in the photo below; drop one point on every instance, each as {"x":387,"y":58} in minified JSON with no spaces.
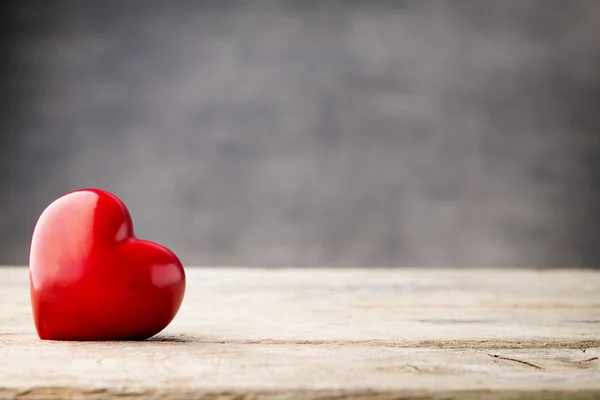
{"x":328,"y":334}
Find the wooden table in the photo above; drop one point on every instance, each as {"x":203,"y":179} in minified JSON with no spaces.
{"x":289,"y":334}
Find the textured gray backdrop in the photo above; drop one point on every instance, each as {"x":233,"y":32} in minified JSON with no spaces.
{"x":331,"y":133}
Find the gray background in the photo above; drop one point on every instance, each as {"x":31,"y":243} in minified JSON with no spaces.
{"x":331,"y":133}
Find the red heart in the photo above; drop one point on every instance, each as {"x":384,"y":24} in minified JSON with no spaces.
{"x":92,"y":279}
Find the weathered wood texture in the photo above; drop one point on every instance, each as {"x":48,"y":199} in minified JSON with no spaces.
{"x":322,"y":334}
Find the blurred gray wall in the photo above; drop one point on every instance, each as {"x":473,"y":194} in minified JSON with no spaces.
{"x":331,"y":133}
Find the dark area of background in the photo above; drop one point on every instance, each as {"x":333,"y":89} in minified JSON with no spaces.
{"x":328,"y":133}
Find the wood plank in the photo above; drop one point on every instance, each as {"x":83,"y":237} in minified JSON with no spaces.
{"x":343,"y":333}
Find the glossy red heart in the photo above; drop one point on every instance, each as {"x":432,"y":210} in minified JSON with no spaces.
{"x":92,"y":279}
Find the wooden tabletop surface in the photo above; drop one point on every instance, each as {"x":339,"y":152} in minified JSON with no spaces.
{"x":286,"y":334}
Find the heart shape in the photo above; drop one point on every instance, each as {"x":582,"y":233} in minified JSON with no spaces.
{"x":92,"y":279}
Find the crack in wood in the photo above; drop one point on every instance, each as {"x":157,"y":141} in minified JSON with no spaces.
{"x":429,"y":344}
{"x":515,"y":360}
